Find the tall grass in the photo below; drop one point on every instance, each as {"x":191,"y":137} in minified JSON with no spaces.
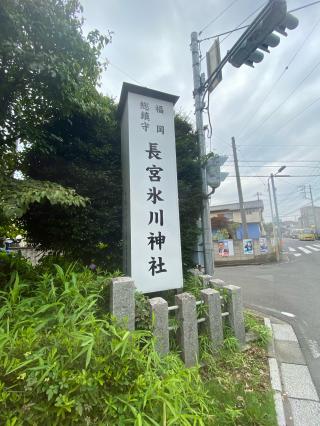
{"x":63,"y":361}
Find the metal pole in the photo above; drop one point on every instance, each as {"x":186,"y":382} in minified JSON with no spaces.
{"x":242,"y":210}
{"x":276,"y":207}
{"x":273,"y":225}
{"x":205,"y":211}
{"x":313,"y":211}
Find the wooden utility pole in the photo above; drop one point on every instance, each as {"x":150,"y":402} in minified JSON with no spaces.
{"x":242,"y":210}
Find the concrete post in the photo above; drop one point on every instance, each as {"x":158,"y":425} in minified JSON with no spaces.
{"x":213,"y":324}
{"x":205,"y":279}
{"x":122,"y":301}
{"x":188,"y":328}
{"x":217,"y":283}
{"x":235,"y":309}
{"x":159,"y":314}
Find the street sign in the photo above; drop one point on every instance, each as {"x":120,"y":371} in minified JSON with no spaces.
{"x":213,"y":61}
{"x":151,"y":228}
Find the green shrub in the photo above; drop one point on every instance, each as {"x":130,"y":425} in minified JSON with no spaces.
{"x":64,"y":362}
{"x":12,"y":263}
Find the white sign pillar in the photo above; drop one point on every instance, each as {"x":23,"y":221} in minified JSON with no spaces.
{"x":151,"y":228}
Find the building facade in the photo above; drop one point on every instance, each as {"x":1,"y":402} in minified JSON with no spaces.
{"x":229,"y":215}
{"x":310,"y":218}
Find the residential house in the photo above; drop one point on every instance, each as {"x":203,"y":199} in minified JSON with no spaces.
{"x":231,"y":213}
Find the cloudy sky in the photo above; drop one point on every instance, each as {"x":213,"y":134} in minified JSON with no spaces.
{"x":271,"y":110}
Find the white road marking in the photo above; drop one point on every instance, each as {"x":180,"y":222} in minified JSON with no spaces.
{"x":313,"y":248}
{"x":314,"y":348}
{"x":306,"y":251}
{"x":317,"y":245}
{"x":291,"y":249}
{"x":265,"y":308}
{"x":297,"y":254}
{"x":288,"y":314}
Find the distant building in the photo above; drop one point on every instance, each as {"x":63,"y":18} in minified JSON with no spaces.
{"x":231,"y":213}
{"x":307,"y":217}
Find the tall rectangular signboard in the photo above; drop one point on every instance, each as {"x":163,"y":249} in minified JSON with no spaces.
{"x":151,"y":229}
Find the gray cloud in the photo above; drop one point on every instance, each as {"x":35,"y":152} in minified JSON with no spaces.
{"x":151,"y":44}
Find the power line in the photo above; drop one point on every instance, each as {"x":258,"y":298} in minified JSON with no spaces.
{"x":279,"y":144}
{"x":286,"y":123}
{"x":298,"y":115}
{"x":245,"y":20}
{"x":280,"y":76}
{"x":303,"y":7}
{"x":125,"y":73}
{"x":268,"y":166}
{"x":222,"y":34}
{"x":218,"y":16}
{"x":237,"y":28}
{"x":271,"y":161}
{"x":266,"y":176}
{"x":263,"y":122}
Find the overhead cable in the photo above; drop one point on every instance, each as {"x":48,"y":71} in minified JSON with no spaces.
{"x":218,"y":16}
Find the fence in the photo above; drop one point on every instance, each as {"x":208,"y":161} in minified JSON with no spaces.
{"x":217,"y":308}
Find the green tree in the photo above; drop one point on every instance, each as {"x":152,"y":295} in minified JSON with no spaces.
{"x":47,"y":69}
{"x":189,"y":187}
{"x":84,"y":154}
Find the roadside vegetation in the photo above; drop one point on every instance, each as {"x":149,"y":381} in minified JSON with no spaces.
{"x":64,"y":359}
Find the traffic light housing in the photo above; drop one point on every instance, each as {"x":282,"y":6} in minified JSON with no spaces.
{"x":213,"y":170}
{"x":260,"y":34}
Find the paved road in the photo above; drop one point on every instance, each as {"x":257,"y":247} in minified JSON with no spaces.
{"x":290,"y":291}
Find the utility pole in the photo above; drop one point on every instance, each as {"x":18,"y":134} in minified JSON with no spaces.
{"x":260,"y":211}
{"x":199,"y":105}
{"x":313,"y":211}
{"x":242,"y":210}
{"x":276,"y":207}
{"x":303,"y":189}
{"x":275,"y":236}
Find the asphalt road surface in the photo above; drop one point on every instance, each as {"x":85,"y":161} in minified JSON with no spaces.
{"x":289,"y":290}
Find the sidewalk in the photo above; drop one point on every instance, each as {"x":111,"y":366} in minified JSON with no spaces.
{"x":296,"y":399}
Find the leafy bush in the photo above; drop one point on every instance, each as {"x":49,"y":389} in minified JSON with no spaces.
{"x":13,"y":263}
{"x":64,"y":362}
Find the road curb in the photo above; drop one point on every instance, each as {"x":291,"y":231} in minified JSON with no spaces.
{"x":275,"y":377}
{"x":295,"y":396}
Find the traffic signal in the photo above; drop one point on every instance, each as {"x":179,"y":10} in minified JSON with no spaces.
{"x":213,"y":170}
{"x":260,"y":34}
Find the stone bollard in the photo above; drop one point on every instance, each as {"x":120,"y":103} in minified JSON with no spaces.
{"x":235,"y":309}
{"x":213,"y":323}
{"x":188,"y":328}
{"x":160,"y":319}
{"x":122,"y":301}
{"x":217,"y":283}
{"x":205,"y":279}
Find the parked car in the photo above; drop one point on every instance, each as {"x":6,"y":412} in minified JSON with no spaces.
{"x":307,"y":235}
